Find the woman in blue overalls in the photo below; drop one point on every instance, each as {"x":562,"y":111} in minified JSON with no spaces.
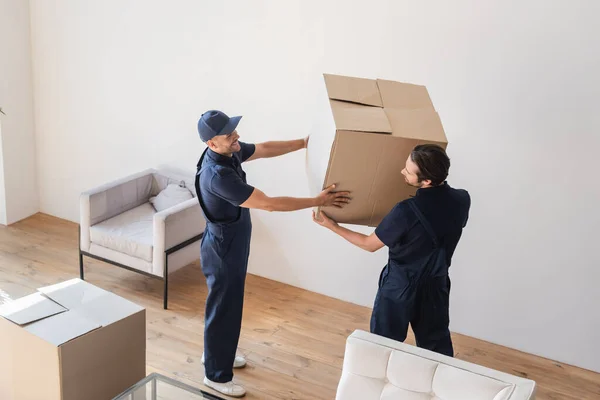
{"x":421,"y":233}
{"x":225,"y":198}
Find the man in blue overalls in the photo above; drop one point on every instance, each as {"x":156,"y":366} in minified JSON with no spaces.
{"x":225,"y":198}
{"x":421,"y":233}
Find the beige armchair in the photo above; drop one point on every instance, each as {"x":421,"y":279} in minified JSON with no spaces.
{"x":149,"y":223}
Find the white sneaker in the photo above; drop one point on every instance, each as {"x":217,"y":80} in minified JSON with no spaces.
{"x":228,"y":389}
{"x":239,"y":362}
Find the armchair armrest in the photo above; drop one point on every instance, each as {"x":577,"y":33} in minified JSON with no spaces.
{"x":111,"y":199}
{"x":174,"y":226}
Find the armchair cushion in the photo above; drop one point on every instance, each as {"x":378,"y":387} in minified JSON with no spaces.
{"x":129,"y":233}
{"x":172,"y":195}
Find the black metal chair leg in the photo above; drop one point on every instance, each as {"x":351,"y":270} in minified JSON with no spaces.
{"x":166,"y":274}
{"x":166,"y":280}
{"x":80,"y":264}
{"x":80,"y":255}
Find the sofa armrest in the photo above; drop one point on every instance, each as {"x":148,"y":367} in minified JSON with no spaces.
{"x":111,"y":199}
{"x":173,"y":226}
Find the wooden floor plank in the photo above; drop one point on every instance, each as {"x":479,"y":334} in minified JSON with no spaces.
{"x":294,"y":340}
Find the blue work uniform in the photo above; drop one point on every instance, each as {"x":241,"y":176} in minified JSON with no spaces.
{"x":221,"y":187}
{"x":414,"y":287}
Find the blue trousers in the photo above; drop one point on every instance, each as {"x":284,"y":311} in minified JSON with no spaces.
{"x":224,"y":258}
{"x":401,"y":301}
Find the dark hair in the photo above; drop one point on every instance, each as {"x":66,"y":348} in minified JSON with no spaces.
{"x":433,"y":163}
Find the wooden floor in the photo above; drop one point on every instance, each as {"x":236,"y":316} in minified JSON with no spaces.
{"x":293,"y":339}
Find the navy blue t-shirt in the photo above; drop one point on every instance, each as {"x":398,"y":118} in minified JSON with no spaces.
{"x":223,"y":185}
{"x":447,"y":211}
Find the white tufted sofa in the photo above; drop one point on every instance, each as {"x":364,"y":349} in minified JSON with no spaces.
{"x":377,"y":368}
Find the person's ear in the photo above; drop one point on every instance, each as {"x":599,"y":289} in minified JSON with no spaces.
{"x":211,"y":144}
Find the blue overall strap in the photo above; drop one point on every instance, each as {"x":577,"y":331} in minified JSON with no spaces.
{"x":198,"y":194}
{"x":424,"y":222}
{"x":428,"y":270}
{"x":197,"y":184}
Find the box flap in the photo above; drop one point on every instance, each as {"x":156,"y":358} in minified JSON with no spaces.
{"x":30,"y":308}
{"x":96,"y":304}
{"x":355,"y":90}
{"x":356,"y":117}
{"x":403,"y":95}
{"x":423,"y":124}
{"x":63,"y":327}
{"x":109,"y":309}
{"x":72,"y":293}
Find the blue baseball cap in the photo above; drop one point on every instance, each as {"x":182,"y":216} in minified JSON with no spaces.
{"x":213,"y":123}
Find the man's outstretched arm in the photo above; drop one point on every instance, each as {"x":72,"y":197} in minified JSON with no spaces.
{"x":369,"y":243}
{"x":259,"y":200}
{"x":277,"y":148}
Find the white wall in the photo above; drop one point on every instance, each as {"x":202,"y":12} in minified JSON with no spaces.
{"x":18,"y":184}
{"x":2,"y":190}
{"x":120,"y":85}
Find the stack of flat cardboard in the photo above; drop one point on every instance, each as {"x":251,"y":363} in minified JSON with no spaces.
{"x":363,"y":134}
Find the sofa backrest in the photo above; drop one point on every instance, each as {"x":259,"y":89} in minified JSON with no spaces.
{"x":377,"y":368}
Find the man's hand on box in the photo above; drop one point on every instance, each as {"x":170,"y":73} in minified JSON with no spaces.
{"x":324,"y":220}
{"x":330,"y":198}
{"x":306,"y":142}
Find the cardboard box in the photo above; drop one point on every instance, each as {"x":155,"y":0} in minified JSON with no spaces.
{"x":364,"y":131}
{"x":71,"y":341}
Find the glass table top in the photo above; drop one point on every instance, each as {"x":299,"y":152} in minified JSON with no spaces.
{"x":159,"y":387}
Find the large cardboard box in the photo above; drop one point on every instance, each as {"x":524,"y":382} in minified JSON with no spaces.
{"x":364,"y":131}
{"x":71,"y":341}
